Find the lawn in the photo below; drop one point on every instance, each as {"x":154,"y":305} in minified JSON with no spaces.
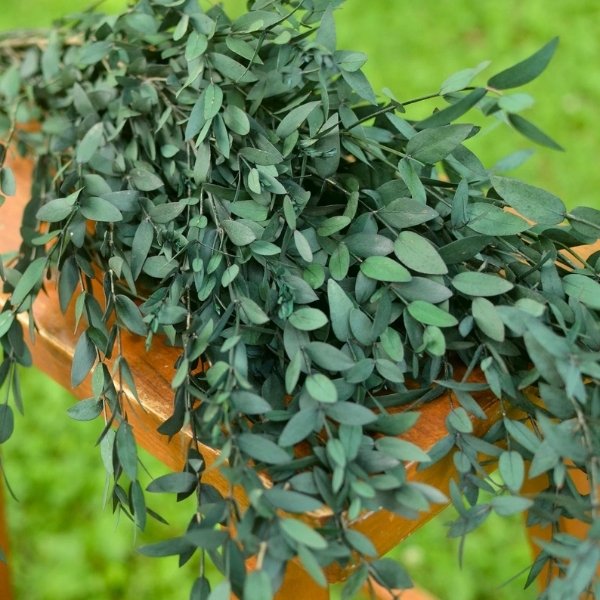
{"x":67,"y":546}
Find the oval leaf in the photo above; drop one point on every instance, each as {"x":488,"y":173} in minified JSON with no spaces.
{"x":419,"y":254}
{"x":526,"y":70}
{"x":383,"y":268}
{"x":530,"y":202}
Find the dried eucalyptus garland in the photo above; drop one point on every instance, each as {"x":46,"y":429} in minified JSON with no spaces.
{"x":238,"y":187}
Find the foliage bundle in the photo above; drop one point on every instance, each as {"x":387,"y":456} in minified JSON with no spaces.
{"x":322,"y":260}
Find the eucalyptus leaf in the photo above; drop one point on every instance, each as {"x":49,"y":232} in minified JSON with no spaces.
{"x":383,"y":268}
{"x":474,"y":283}
{"x":432,"y":145}
{"x":429,"y":314}
{"x":526,"y":70}
{"x":418,"y":254}
{"x":531,"y":202}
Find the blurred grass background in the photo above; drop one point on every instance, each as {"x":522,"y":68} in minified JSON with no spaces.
{"x":67,"y":546}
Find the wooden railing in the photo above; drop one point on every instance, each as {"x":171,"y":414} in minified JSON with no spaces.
{"x":53,"y":350}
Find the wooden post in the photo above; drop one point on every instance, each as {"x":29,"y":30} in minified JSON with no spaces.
{"x":5,"y":587}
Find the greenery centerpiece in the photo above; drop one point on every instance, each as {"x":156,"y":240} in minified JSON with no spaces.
{"x":325,"y":263}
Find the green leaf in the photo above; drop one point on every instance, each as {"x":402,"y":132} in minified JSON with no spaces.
{"x":7,"y":318}
{"x":253,"y":312}
{"x":238,"y":233}
{"x":196,"y":120}
{"x":294,"y":119}
{"x":145,"y":180}
{"x":407,"y":212}
{"x":463,"y":249}
{"x":512,"y":470}
{"x":340,"y":306}
{"x":454,"y":111}
{"x":383,"y":268}
{"x":222,"y":591}
{"x":170,"y":547}
{"x":473,"y":283}
{"x":303,"y":246}
{"x":140,"y":247}
{"x":462,"y":79}
{"x":525,"y":71}
{"x":213,"y":100}
{"x":419,"y":254}
{"x":321,"y":388}
{"x":196,"y":45}
{"x":339,"y":262}
{"x":84,"y":359}
{"x":303,"y":534}
{"x":262,"y":449}
{"x":90,"y":143}
{"x":333,"y":225}
{"x":299,"y":427}
{"x":7,"y":422}
{"x":390,"y":574}
{"x":236,"y":119}
{"x":129,"y":314}
{"x":257,"y":586}
{"x":95,"y":208}
{"x":389,"y":370}
{"x":515,"y":102}
{"x":487,"y":319}
{"x":429,"y":314}
{"x":510,"y":505}
{"x":490,"y":220}
{"x":530,"y":202}
{"x":328,"y":357}
{"x":583,"y":288}
{"x":360,"y":85}
{"x":459,"y":420}
{"x":410,"y":176}
{"x":429,"y":146}
{"x":248,"y":209}
{"x":262,"y":158}
{"x":166,"y":212}
{"x":86,"y":410}
{"x":8,"y":184}
{"x":391,"y":342}
{"x":434,"y":341}
{"x":369,"y":244}
{"x":127,"y":450}
{"x":308,"y":319}
{"x":31,"y":278}
{"x":173,"y":483}
{"x":229,"y":275}
{"x":231,"y":68}
{"x":401,"y":449}
{"x":249,"y":403}
{"x":585,"y":220}
{"x":349,"y":61}
{"x":293,"y":502}
{"x":395,"y":424}
{"x":529,"y":130}
{"x":57,"y":210}
{"x":350,"y":413}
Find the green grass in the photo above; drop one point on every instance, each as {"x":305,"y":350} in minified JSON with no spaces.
{"x":67,"y":546}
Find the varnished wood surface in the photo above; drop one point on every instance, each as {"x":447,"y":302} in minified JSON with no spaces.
{"x":53,"y":350}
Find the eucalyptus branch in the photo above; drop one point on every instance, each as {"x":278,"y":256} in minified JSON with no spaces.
{"x":316,"y":291}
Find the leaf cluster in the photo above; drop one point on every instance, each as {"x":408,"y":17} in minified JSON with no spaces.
{"x":325,"y":264}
